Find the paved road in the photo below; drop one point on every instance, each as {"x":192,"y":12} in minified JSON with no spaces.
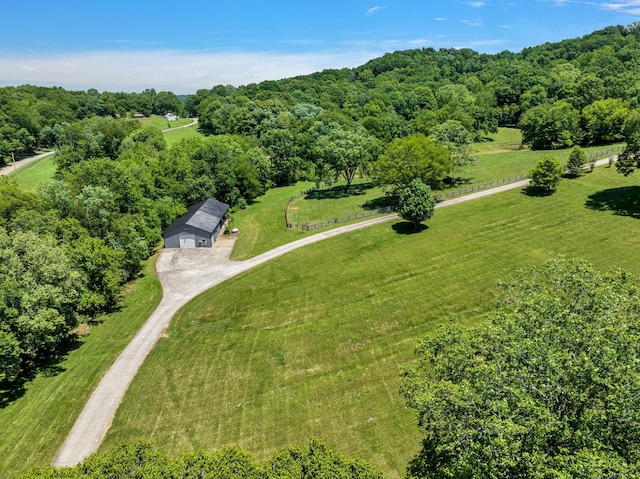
{"x":11,"y":168}
{"x":185,"y":273}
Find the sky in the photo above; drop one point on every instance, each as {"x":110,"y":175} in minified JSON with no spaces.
{"x":182,"y":46}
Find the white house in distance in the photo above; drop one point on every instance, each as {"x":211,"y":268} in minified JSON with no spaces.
{"x":199,"y":227}
{"x":171,"y":117}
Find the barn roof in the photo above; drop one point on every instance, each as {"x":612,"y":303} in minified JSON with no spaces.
{"x":205,"y":216}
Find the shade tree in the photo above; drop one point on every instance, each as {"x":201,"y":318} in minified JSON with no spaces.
{"x":545,"y":175}
{"x":546,"y":386}
{"x":406,"y":159}
{"x":347,"y":151}
{"x":416,"y":202}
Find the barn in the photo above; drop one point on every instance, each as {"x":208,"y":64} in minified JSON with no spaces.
{"x":199,"y":227}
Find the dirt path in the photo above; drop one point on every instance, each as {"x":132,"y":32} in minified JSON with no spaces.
{"x":194,"y":122}
{"x":25,"y":161}
{"x":185,"y":273}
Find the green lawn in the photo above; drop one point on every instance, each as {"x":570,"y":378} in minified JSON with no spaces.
{"x":499,"y":157}
{"x":507,"y":164}
{"x":33,"y":175}
{"x":262,"y":225}
{"x":310,"y":344}
{"x":161,"y":123}
{"x":175,"y":136}
{"x":36,"y":423}
{"x":506,"y":139}
{"x":332,"y":202}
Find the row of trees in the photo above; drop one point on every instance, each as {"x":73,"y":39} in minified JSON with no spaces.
{"x":144,"y":460}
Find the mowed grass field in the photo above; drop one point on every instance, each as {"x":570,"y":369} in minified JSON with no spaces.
{"x":34,"y":424}
{"x":162,"y":124}
{"x":34,"y":175}
{"x":175,"y":136}
{"x":310,"y":344}
{"x":261,"y":224}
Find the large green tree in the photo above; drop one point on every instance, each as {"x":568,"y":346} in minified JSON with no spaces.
{"x":629,"y":159}
{"x":545,"y":175}
{"x":547,"y":386}
{"x":347,"y":151}
{"x":551,"y":127}
{"x":416,"y":202}
{"x":406,"y":159}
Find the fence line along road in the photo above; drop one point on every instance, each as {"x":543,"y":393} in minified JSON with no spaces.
{"x":438,"y":197}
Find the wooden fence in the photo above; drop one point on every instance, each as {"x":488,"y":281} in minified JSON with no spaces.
{"x":355,"y":216}
{"x":439,"y":197}
{"x":291,"y":200}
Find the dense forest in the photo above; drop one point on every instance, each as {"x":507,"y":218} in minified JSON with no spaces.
{"x":68,"y":250}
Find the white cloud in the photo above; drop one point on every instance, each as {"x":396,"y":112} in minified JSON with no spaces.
{"x":631,"y":7}
{"x":373,"y":10}
{"x":440,"y":19}
{"x":419,"y":42}
{"x":177,"y":71}
{"x":477,"y":4}
{"x":473,"y":23}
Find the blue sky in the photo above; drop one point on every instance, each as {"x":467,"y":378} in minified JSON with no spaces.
{"x":181,"y":46}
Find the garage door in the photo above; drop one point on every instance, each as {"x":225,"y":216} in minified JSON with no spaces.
{"x":187,"y":241}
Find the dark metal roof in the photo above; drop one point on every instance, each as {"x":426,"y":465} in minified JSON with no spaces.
{"x":204,"y":216}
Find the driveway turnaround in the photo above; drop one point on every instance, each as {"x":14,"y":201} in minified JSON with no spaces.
{"x":184,"y":274}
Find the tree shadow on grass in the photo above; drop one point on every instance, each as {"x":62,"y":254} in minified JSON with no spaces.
{"x":48,"y":367}
{"x":378,"y":203}
{"x":339,"y":191}
{"x":621,"y":201}
{"x":536,"y":192}
{"x":406,"y":228}
{"x":451,"y":182}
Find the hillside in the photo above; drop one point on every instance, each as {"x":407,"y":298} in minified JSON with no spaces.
{"x":260,"y":360}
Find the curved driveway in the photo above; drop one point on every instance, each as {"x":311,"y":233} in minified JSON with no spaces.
{"x":185,"y":273}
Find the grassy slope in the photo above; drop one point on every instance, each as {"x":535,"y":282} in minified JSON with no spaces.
{"x":35,"y":425}
{"x":175,"y":136}
{"x":33,"y":175}
{"x":261,"y":224}
{"x":309,"y":345}
{"x":162,"y":124}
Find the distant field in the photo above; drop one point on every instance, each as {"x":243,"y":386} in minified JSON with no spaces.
{"x":506,"y":139}
{"x":309,"y":345}
{"x":175,"y":136}
{"x":507,"y":164}
{"x":161,"y":123}
{"x":33,"y":175}
{"x":35,"y":424}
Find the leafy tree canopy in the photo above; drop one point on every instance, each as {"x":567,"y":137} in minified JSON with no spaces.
{"x":406,"y":159}
{"x":144,"y":460}
{"x":546,"y":387}
{"x":545,"y":176}
{"x":416,"y":202}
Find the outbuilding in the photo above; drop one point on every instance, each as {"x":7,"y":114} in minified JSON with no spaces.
{"x":199,"y":227}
